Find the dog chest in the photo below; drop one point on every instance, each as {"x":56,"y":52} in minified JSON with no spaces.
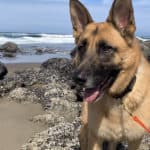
{"x":112,"y":123}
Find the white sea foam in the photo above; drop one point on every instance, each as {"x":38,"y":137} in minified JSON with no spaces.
{"x":23,"y":38}
{"x":31,"y":38}
{"x":142,"y":39}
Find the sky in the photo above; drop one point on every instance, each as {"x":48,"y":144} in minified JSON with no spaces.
{"x":52,"y":16}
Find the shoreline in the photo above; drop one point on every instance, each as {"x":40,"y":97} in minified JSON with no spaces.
{"x":38,"y":53}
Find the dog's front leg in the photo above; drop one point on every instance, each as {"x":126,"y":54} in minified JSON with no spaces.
{"x":87,"y":140}
{"x":94,"y":143}
{"x":83,"y":137}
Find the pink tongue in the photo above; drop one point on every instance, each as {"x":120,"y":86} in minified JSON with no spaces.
{"x":91,"y":96}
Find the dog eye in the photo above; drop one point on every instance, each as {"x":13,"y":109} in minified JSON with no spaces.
{"x":73,"y":53}
{"x":82,"y":47}
{"x":105,"y":49}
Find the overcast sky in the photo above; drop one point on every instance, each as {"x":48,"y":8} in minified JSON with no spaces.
{"x":52,"y":16}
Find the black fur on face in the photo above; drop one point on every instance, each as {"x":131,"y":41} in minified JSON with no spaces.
{"x":92,"y":69}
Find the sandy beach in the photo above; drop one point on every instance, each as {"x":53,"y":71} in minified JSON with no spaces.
{"x":15,"y":125}
{"x":21,"y":66}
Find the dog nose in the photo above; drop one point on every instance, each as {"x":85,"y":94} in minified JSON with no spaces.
{"x":80,"y":78}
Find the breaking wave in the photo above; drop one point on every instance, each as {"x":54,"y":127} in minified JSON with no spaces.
{"x":30,"y":38}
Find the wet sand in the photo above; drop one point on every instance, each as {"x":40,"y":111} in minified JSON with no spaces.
{"x":15,"y":125}
{"x":21,"y":66}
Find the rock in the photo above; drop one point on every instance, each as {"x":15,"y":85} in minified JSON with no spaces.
{"x":59,"y":64}
{"x":40,"y":51}
{"x":3,"y":71}
{"x":62,"y":67}
{"x":9,"y":47}
{"x":50,"y":118}
{"x":22,"y":95}
{"x":63,"y":136}
{"x":8,"y":54}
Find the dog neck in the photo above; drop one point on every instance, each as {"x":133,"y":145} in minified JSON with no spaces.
{"x":127,"y":89}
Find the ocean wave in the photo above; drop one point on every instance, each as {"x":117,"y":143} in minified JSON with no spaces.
{"x":143,"y":39}
{"x":29,"y":38}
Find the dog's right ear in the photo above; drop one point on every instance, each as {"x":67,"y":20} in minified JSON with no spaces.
{"x":80,"y":17}
{"x":122,"y":17}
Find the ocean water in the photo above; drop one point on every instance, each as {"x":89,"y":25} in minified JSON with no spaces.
{"x":31,"y":38}
{"x":53,"y":45}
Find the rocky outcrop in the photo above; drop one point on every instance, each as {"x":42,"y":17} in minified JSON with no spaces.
{"x":22,"y":95}
{"x":9,"y":47}
{"x":62,"y":136}
{"x":50,"y":86}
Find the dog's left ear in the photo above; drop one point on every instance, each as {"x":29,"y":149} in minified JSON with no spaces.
{"x":80,"y":17}
{"x":122,"y":17}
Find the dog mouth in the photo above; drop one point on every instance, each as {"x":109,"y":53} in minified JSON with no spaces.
{"x":95,"y":94}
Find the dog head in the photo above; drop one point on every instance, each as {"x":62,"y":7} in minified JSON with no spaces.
{"x":105,"y":55}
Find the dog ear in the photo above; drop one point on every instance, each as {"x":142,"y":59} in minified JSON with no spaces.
{"x":122,"y":17}
{"x":80,"y":17}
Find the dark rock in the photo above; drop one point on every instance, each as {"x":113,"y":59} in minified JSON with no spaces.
{"x":3,"y":71}
{"x":51,"y":80}
{"x":56,"y":62}
{"x":40,"y":51}
{"x":9,"y":47}
{"x":8,"y":54}
{"x":62,"y":66}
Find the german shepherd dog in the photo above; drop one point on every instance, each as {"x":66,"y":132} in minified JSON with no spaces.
{"x":114,"y":75}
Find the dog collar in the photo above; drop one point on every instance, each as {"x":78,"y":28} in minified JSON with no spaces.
{"x":127,"y":90}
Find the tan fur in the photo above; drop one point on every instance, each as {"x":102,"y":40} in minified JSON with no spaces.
{"x":107,"y":119}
